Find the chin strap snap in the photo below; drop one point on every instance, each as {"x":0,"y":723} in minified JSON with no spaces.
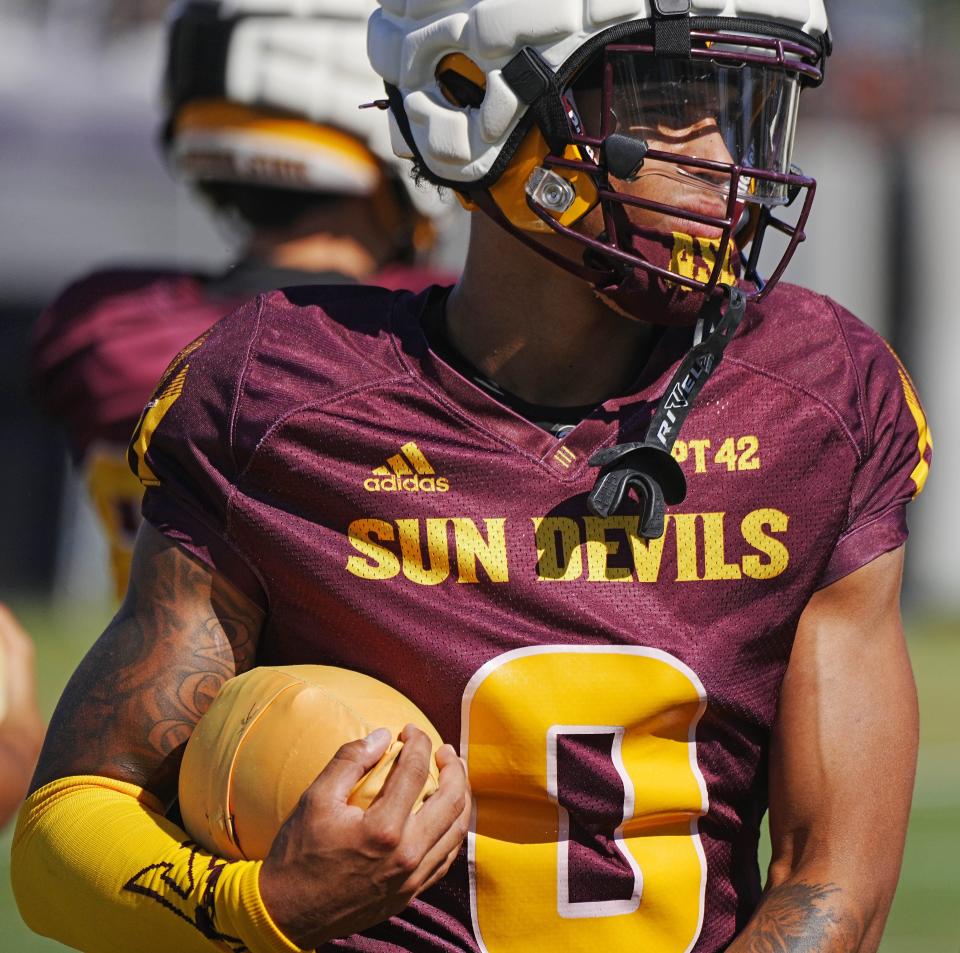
{"x":649,"y":468}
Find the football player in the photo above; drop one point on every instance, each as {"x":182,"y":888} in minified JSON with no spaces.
{"x":263,"y":120}
{"x":623,"y":514}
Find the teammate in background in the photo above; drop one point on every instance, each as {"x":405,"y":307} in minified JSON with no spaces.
{"x":657,"y":592}
{"x":309,"y":182}
{"x":21,"y":727}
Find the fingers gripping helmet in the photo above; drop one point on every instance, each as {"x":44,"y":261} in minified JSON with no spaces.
{"x":654,"y":135}
{"x":267,"y":93}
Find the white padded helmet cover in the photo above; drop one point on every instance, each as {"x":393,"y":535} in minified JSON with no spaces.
{"x":309,"y":57}
{"x":408,"y":38}
{"x":309,"y":63}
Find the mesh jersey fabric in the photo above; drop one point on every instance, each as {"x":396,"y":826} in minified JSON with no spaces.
{"x":610,"y":696}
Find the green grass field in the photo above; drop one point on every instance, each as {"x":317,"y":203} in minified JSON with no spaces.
{"x":926,"y":914}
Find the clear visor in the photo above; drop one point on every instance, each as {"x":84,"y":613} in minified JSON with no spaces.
{"x":739,"y":114}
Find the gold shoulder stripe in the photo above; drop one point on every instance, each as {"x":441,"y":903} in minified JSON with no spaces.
{"x":174,"y":365}
{"x":151,"y":418}
{"x":924,"y":436}
{"x":165,"y":395}
{"x":175,"y":388}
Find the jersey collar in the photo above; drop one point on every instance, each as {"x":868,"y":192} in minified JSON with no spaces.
{"x":615,"y":420}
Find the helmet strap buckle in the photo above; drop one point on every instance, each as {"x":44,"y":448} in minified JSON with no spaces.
{"x":531,"y":77}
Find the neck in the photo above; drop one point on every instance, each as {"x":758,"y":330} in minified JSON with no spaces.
{"x":316,"y":253}
{"x":339,"y":237}
{"x":537,"y":331}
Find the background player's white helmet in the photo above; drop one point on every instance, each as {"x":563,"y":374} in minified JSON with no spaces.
{"x":534,"y":109}
{"x":268,"y":92}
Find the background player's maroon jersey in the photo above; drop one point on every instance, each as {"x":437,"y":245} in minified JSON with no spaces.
{"x":613,"y":698}
{"x":101,"y":347}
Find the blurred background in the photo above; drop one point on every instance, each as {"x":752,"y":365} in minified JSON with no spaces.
{"x":82,"y":185}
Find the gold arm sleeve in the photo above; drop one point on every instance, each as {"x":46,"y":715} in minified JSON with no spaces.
{"x":97,"y":867}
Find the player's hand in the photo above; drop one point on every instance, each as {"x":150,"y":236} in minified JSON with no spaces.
{"x":20,"y":717}
{"x":335,"y":869}
{"x":21,"y":725}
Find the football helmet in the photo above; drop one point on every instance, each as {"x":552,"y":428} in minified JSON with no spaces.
{"x":268,"y":93}
{"x":654,"y":136}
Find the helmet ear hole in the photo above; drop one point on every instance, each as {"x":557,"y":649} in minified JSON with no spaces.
{"x":462,"y":82}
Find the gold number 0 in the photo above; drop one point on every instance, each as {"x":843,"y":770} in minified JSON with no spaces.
{"x":514,"y":708}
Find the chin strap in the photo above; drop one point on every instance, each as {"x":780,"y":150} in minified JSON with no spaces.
{"x":649,"y":468}
{"x":671,"y":28}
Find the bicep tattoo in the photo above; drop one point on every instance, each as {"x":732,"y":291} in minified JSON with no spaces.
{"x":130,"y":707}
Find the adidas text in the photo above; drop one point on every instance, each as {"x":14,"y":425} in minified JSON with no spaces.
{"x":411,"y":484}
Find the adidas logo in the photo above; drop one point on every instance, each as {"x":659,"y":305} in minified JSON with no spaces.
{"x":407,"y":472}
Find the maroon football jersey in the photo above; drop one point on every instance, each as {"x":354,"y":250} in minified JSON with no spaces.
{"x":101,"y":347}
{"x":613,"y":698}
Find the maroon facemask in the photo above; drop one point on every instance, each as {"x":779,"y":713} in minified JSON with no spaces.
{"x":659,"y":253}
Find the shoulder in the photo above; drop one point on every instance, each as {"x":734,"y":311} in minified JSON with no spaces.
{"x":814,"y":345}
{"x":299,"y":347}
{"x":114,"y":291}
{"x":844,"y":369}
{"x":103,"y":307}
{"x":324,"y":337}
{"x":123,"y":279}
{"x":99,"y":348}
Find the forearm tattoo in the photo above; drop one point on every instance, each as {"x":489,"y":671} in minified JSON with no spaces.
{"x":130,"y":707}
{"x":801,"y":918}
